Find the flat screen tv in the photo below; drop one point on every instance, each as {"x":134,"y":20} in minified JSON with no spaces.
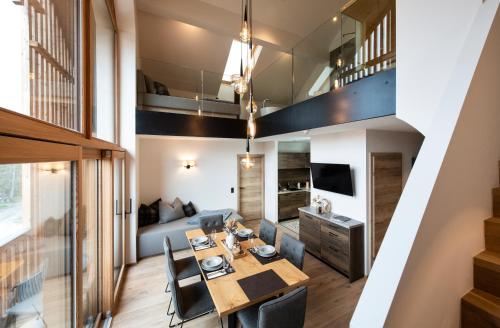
{"x":332,"y":177}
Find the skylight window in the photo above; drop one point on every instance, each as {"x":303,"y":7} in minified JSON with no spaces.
{"x":234,"y":58}
{"x":320,"y":81}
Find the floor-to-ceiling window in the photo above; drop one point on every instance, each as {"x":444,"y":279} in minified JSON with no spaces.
{"x":103,"y":114}
{"x":90,"y":243}
{"x":37,"y":233}
{"x":54,"y":217}
{"x":40,"y":61}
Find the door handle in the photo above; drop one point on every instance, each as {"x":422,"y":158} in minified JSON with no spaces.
{"x":126,"y":212}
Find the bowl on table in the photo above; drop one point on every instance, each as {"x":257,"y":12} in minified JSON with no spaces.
{"x":266,"y":251}
{"x":245,"y":233}
{"x":198,"y":241}
{"x":212,"y":263}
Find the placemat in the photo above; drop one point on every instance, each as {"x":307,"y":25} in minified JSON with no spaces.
{"x":229,"y":270}
{"x":265,"y":260}
{"x":208,"y":231}
{"x":261,"y":284}
{"x":203,"y":247}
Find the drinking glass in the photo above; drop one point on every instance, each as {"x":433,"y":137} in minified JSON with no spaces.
{"x":213,"y":235}
{"x":225,"y":263}
{"x":252,"y":242}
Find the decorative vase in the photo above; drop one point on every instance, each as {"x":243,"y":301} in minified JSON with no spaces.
{"x":230,"y":240}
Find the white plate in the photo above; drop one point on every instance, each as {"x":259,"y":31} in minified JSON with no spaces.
{"x":212,"y":263}
{"x":245,"y":232}
{"x":266,"y":250}
{"x":200,"y":240}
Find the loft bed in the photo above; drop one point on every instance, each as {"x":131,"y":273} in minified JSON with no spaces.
{"x":152,"y":95}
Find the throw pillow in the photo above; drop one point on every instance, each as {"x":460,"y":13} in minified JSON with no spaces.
{"x":189,"y":209}
{"x":150,"y":84}
{"x":149,"y":214}
{"x":171,"y":212}
{"x":161,"y":89}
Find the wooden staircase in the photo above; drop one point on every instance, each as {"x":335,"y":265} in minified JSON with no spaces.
{"x":481,"y":306}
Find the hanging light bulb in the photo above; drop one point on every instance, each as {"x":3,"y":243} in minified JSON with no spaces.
{"x":340,"y":62}
{"x":251,"y":128}
{"x":245,"y":32}
{"x":247,"y":162}
{"x":239,"y":84}
{"x":252,"y":106}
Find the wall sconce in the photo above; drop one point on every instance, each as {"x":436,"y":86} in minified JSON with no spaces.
{"x":53,"y":168}
{"x":188,"y":164}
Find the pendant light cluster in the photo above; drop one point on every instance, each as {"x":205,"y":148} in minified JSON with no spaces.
{"x":243,"y":82}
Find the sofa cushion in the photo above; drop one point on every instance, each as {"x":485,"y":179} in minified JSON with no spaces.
{"x":189,"y":209}
{"x":149,"y":214}
{"x":171,"y":212}
{"x":150,"y":84}
{"x":161,"y":89}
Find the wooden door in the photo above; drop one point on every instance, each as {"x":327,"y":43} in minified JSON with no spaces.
{"x":386,"y":188}
{"x":251,"y":188}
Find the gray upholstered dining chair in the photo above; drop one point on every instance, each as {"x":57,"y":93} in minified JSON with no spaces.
{"x":287,"y":311}
{"x":191,"y":301}
{"x":267,"y":232}
{"x":293,"y":250}
{"x":183,"y":268}
{"x":211,"y":222}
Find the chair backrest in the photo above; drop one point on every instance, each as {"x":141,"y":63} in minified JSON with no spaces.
{"x":267,"y":232}
{"x":176,"y":294}
{"x":211,"y":221}
{"x":169,"y":258}
{"x":293,"y":250}
{"x":288,"y":311}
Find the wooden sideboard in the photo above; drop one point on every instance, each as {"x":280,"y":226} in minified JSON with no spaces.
{"x":339,"y":244}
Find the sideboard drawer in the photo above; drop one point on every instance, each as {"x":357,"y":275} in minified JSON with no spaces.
{"x":335,"y":257}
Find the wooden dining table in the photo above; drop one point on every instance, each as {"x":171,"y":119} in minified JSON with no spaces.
{"x":226,"y":291}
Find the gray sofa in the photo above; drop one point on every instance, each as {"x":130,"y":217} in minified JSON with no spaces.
{"x":150,"y":238}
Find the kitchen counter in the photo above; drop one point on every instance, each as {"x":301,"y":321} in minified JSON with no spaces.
{"x":332,"y":217}
{"x":292,"y":191}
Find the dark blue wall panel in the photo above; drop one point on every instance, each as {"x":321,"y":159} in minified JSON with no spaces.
{"x":368,"y":98}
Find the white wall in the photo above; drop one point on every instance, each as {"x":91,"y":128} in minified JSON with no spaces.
{"x":208,"y":185}
{"x":430,"y":35}
{"x":344,"y":148}
{"x":125,"y":14}
{"x":271,"y":182}
{"x":424,"y":265}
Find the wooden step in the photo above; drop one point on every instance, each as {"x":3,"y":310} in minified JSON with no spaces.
{"x":492,"y":234}
{"x":487,"y":272}
{"x":480,"y":310}
{"x":496,"y":202}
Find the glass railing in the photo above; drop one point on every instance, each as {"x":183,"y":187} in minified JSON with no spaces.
{"x":192,"y":91}
{"x":357,"y":42}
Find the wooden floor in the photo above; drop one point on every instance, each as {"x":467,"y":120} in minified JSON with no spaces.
{"x":331,"y":298}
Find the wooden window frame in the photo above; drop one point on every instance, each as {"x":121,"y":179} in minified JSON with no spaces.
{"x":26,"y":139}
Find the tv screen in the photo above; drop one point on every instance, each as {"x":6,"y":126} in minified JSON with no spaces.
{"x":332,"y":177}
